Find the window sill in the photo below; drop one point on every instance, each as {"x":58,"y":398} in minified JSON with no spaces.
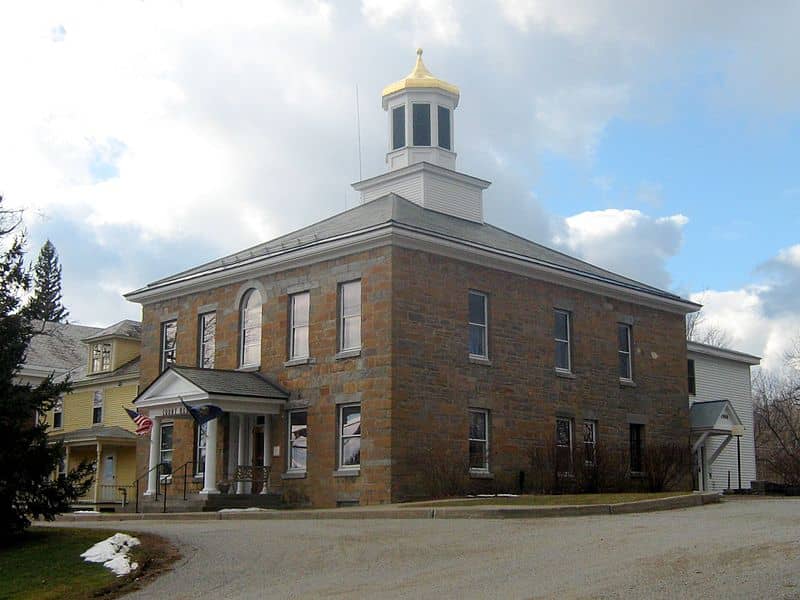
{"x":565,"y":374}
{"x":249,"y":368}
{"x":480,"y":360}
{"x":638,"y":474}
{"x":480,"y":474}
{"x":294,"y":475}
{"x":627,"y":382}
{"x":296,"y":362}
{"x":344,"y":354}
{"x":347,"y":473}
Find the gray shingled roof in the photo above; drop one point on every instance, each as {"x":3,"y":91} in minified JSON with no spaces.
{"x":232,"y":383}
{"x":703,"y":415}
{"x":397,"y":211}
{"x":58,"y":346}
{"x":125,"y":329}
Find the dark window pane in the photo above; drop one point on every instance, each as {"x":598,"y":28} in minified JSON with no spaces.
{"x":563,"y":432}
{"x":562,"y":355}
{"x":692,"y":380}
{"x":476,"y":341}
{"x":477,"y":425}
{"x":56,"y":420}
{"x":444,"y":127}
{"x":624,"y":366}
{"x":422,"y":124}
{"x":561,"y":326}
{"x":351,"y":452}
{"x":477,"y":309}
{"x":622,"y":338}
{"x":398,"y":127}
{"x":636,"y":447}
{"x":477,"y":455}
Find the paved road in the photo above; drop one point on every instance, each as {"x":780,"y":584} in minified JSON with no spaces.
{"x":743,"y":548}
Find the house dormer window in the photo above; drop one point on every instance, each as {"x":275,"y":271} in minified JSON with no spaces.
{"x":250,"y":333}
{"x":101,"y":357}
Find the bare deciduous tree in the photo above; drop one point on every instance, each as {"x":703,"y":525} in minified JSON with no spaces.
{"x":698,"y":329}
{"x":776,"y":409}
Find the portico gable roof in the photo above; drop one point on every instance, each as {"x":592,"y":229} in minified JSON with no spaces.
{"x":233,"y":391}
{"x":717,"y":417}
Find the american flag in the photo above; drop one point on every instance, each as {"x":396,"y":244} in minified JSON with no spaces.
{"x":143,"y":423}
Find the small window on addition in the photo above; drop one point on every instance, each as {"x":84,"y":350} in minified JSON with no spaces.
{"x":692,"y":379}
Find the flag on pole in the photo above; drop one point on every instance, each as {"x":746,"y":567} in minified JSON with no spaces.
{"x":203,"y":414}
{"x":143,"y":423}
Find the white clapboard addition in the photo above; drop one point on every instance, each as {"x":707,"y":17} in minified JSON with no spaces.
{"x":722,"y":374}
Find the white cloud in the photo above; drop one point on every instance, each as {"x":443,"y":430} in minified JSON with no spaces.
{"x":624,"y":240}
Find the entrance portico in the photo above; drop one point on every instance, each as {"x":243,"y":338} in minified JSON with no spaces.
{"x":250,"y":400}
{"x":717,"y":421}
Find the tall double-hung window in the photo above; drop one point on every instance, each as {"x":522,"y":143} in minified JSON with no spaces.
{"x":478,"y":325}
{"x":169,"y":333}
{"x":165,"y":448}
{"x":97,"y":408}
{"x":350,"y":316}
{"x":298,"y":440}
{"x":299,"y":305}
{"x":200,"y":445}
{"x":207,"y":336}
{"x":349,"y":436}
{"x":478,"y":439}
{"x":250,"y":330}
{"x":563,"y":342}
{"x":624,"y":351}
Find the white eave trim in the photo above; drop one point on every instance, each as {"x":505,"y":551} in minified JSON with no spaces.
{"x":417,"y":167}
{"x":725,"y":353}
{"x":413,"y":238}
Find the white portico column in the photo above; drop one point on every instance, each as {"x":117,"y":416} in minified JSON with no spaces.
{"x":241,"y":457}
{"x":155,"y":438}
{"x":210,"y":474}
{"x":267,"y":452}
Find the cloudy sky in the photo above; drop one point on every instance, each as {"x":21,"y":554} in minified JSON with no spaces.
{"x":144,"y":137}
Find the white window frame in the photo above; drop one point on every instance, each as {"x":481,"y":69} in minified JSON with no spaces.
{"x":344,"y":318}
{"x":164,"y":350}
{"x":341,"y":437}
{"x":201,"y":443}
{"x":101,"y":357}
{"x":290,"y":445}
{"x":293,"y":327}
{"x":203,"y":344}
{"x":571,"y":424}
{"x":567,"y":341}
{"x":627,"y":353}
{"x":58,"y":409}
{"x":255,"y":328}
{"x":98,"y":401}
{"x":485,"y":440}
{"x":161,"y":450}
{"x":484,"y":325}
{"x":592,"y":443}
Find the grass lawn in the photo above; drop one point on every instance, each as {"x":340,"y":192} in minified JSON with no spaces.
{"x":45,"y":563}
{"x":552,"y":500}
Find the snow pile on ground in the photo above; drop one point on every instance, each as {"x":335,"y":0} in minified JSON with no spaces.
{"x":85,"y":512}
{"x":251,"y":509}
{"x":113,"y":553}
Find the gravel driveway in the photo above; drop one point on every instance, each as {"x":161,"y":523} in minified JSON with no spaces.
{"x":742,"y":548}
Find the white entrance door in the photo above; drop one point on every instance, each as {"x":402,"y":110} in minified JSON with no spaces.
{"x":108,"y":491}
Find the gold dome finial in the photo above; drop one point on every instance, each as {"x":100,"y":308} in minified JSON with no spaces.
{"x":420,"y":77}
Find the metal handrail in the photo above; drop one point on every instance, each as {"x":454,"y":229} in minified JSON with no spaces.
{"x":183,"y":467}
{"x":156,"y":468}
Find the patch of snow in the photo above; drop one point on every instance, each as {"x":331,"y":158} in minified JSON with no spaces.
{"x":85,"y":512}
{"x":251,"y":509}
{"x":113,"y":553}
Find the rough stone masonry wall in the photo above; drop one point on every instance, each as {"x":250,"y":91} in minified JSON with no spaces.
{"x":318,"y":385}
{"x":435,"y":383}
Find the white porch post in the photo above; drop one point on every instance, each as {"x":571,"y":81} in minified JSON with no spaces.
{"x":155,"y":439}
{"x":242,"y":453}
{"x":97,"y":473}
{"x":267,"y":451}
{"x":210,"y":475}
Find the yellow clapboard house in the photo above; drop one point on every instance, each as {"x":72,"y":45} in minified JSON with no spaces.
{"x":91,"y":420}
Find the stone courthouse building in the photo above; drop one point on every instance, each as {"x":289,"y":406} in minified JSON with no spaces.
{"x":358,"y":355}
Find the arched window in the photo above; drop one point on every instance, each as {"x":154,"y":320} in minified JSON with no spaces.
{"x":250,"y":330}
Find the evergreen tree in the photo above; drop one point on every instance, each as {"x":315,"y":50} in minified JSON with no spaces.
{"x":45,"y":303}
{"x":27,"y":460}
